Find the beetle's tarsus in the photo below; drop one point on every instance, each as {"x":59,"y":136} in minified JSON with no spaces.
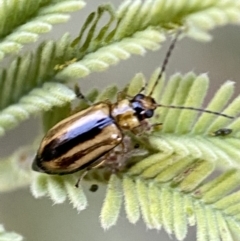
{"x":81,"y":178}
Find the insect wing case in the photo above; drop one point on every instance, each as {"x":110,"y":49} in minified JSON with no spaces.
{"x":78,"y":141}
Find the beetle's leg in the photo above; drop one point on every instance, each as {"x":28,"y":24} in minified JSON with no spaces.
{"x":142,"y":128}
{"x":143,"y":88}
{"x":80,"y":95}
{"x":156,"y":126}
{"x":81,"y":178}
{"x":120,"y":96}
{"x":107,"y":101}
{"x":107,"y":160}
{"x":116,"y":159}
{"x":112,"y":161}
{"x":96,"y":165}
{"x":145,"y":126}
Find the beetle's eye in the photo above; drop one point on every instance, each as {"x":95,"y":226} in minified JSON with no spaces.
{"x":149,"y":113}
{"x":139,"y":97}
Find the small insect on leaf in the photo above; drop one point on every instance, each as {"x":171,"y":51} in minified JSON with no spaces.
{"x":222,"y":132}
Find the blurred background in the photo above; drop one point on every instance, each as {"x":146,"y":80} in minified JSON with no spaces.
{"x":40,"y":220}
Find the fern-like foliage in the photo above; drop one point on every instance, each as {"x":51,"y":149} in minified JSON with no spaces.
{"x":173,"y":167}
{"x":12,"y":115}
{"x":65,"y":59}
{"x":175,"y":177}
{"x":15,"y":170}
{"x":23,"y":21}
{"x":7,"y":236}
{"x":137,"y":28}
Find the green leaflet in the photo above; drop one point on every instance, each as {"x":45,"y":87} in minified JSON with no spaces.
{"x":23,"y":21}
{"x":175,"y":172}
{"x":163,"y":205}
{"x":112,"y":204}
{"x":36,"y":101}
{"x":175,"y":177}
{"x":15,"y":170}
{"x":116,"y":40}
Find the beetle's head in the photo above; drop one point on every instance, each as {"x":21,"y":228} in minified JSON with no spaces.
{"x":144,"y":106}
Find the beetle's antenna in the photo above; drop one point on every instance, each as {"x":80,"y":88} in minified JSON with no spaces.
{"x":196,"y":109}
{"x":165,"y":62}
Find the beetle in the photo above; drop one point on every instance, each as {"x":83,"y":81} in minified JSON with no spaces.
{"x":222,"y":132}
{"x":85,"y":140}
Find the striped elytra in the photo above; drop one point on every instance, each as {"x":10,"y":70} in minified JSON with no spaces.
{"x":78,"y":141}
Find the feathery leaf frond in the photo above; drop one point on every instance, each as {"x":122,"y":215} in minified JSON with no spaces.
{"x":103,"y":47}
{"x":15,"y":170}
{"x":23,"y":21}
{"x":38,"y":100}
{"x":176,"y":176}
{"x":65,"y":60}
{"x":173,"y":168}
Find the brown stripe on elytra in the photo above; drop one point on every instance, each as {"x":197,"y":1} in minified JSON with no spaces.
{"x":68,"y":164}
{"x":61,"y":128}
{"x":57,"y":148}
{"x":81,"y":159}
{"x":84,"y":154}
{"x":105,"y":142}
